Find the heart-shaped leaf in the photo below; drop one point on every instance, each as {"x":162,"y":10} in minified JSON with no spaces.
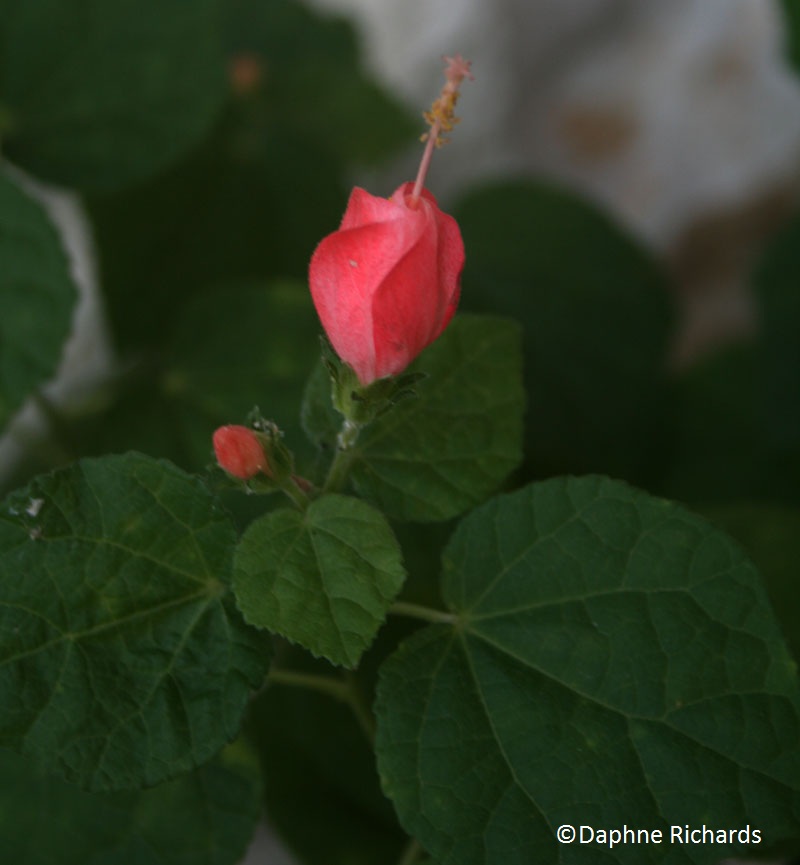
{"x":123,"y":659}
{"x":324,"y":578}
{"x":613,"y":661}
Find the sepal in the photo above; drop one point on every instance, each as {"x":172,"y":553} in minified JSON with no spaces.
{"x":360,"y":404}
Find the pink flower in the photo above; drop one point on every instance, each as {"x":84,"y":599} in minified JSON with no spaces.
{"x":239,"y":452}
{"x":387,"y":283}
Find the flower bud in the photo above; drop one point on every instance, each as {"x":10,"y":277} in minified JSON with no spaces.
{"x":239,"y":452}
{"x":386,"y":284}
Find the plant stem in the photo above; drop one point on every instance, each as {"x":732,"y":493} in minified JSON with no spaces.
{"x":360,"y":707}
{"x":345,"y":690}
{"x":337,"y":474}
{"x":410,"y":853}
{"x":323,"y":684}
{"x":340,"y":465}
{"x":297,"y":495}
{"x":427,"y":614}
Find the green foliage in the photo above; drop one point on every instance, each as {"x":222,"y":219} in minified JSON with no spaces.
{"x":235,"y":347}
{"x":324,"y":578}
{"x":595,"y":320}
{"x":436,"y":455}
{"x":608,"y":658}
{"x":36,"y":297}
{"x":775,"y":281}
{"x":203,"y":818}
{"x":254,"y":199}
{"x":718,"y":449}
{"x":315,"y":85}
{"x":770,"y":534}
{"x":791,"y":12}
{"x":614,"y":661}
{"x":736,"y":430}
{"x":226,"y":215}
{"x":123,"y":658}
{"x":321,"y":786}
{"x":98,"y":94}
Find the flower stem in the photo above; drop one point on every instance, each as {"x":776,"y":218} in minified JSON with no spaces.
{"x":296,"y":494}
{"x":340,"y":465}
{"x":360,"y":707}
{"x":427,"y":614}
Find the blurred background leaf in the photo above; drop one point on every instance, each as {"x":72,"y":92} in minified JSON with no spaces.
{"x":791,"y":12}
{"x":37,"y":295}
{"x":313,"y":83}
{"x":235,"y":347}
{"x":777,"y":283}
{"x":254,"y":199}
{"x":736,"y":414}
{"x":595,"y":319}
{"x":98,"y":95}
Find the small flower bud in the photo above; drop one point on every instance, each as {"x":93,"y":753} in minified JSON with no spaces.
{"x":240,"y":452}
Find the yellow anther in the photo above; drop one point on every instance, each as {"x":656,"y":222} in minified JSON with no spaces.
{"x":441,"y":118}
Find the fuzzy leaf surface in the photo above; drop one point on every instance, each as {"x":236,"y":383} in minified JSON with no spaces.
{"x":123,"y":660}
{"x":323,"y":579}
{"x":615,"y":662}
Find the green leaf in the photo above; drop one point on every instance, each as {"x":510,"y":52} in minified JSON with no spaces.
{"x":324,"y":578}
{"x":36,"y":297}
{"x":770,"y":535}
{"x":718,"y":449}
{"x":206,"y":817}
{"x":320,"y":420}
{"x":123,"y":659}
{"x":435,"y":455}
{"x":594,"y":310}
{"x":614,"y":662}
{"x":102,"y":94}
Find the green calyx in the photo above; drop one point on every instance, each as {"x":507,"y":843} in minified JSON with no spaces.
{"x":360,"y":404}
